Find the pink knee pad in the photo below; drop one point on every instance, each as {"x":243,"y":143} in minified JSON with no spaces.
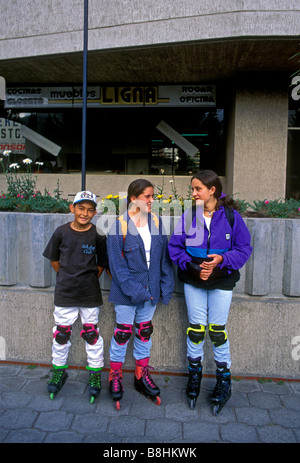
{"x":145,"y":329}
{"x":122,"y":333}
{"x":90,"y":333}
{"x":62,"y":334}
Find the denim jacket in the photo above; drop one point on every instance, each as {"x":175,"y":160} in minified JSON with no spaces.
{"x":132,"y":282}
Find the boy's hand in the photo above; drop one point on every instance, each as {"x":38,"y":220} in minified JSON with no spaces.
{"x":100,"y":270}
{"x":108,"y":273}
{"x":55,"y":265}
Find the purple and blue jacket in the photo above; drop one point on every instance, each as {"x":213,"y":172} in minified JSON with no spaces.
{"x":233,"y":243}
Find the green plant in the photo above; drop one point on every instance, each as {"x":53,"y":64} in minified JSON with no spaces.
{"x":241,"y":205}
{"x":112,"y":205}
{"x":277,"y":208}
{"x":173,"y":188}
{"x":22,"y":195}
{"x":18,"y":185}
{"x":43,"y":203}
{"x":161,"y":188}
{"x":174,"y":204}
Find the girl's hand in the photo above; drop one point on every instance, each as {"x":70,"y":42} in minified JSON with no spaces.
{"x":216,"y":260}
{"x":205,"y":274}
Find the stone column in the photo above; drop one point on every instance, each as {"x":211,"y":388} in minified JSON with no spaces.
{"x":257,"y":137}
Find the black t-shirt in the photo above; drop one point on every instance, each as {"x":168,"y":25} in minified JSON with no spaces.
{"x":79,"y":254}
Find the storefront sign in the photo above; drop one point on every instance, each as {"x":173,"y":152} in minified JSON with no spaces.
{"x":112,"y":96}
{"x":44,"y":97}
{"x":11,"y":138}
{"x":296,"y":90}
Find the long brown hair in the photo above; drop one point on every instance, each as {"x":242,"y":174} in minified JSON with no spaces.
{"x":209,"y":178}
{"x":136,"y":188}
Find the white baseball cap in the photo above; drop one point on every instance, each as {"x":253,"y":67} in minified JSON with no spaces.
{"x":85,"y":196}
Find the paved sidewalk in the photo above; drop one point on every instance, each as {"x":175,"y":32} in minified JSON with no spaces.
{"x":265,"y":412}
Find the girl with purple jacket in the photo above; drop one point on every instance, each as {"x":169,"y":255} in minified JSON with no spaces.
{"x":210,"y":244}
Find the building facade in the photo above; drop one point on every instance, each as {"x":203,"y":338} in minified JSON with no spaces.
{"x":172,"y":87}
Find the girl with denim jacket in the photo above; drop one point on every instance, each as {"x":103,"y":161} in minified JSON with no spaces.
{"x":142,"y":274}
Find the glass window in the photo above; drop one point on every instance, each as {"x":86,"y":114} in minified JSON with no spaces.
{"x":126,"y":140}
{"x":203,"y":129}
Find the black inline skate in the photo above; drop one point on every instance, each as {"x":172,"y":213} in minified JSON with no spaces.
{"x":222,"y":391}
{"x":94,"y":384}
{"x":194,"y":382}
{"x":57,"y":381}
{"x":115,"y":383}
{"x":143,"y":382}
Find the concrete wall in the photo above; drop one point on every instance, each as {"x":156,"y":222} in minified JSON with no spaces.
{"x":45,"y":27}
{"x":103,"y":185}
{"x":262,"y":333}
{"x":272,"y":270}
{"x":264,"y":322}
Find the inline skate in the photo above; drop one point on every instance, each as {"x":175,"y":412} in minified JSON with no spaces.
{"x":144,"y":383}
{"x":194,"y":382}
{"x":115,"y":383}
{"x":57,"y":381}
{"x":222,"y":391}
{"x":94,"y":384}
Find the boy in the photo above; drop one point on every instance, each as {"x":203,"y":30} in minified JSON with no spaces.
{"x":78,"y":255}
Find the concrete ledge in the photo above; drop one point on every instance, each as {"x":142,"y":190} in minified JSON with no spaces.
{"x":261,"y":333}
{"x":272,"y":270}
{"x":291,"y":280}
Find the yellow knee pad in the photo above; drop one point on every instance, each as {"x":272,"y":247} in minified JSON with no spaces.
{"x":217,"y":334}
{"x":196,"y":333}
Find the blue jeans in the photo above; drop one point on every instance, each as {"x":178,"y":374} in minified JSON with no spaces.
{"x":130,"y":314}
{"x":207,"y":307}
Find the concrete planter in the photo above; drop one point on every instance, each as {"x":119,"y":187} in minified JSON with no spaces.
{"x":264,"y":319}
{"x":272,"y":270}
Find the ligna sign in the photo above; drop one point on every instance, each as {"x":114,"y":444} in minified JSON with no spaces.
{"x":112,"y":96}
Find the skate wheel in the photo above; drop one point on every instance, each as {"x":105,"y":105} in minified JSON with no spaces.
{"x":52,"y":396}
{"x":192,"y":403}
{"x":118,"y":406}
{"x":216,"y":410}
{"x":157,"y":401}
{"x":92,"y":399}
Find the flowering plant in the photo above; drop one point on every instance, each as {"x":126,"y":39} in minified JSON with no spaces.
{"x":22,"y":195}
{"x":175,"y":204}
{"x":112,"y":205}
{"x":281,"y":208}
{"x":18,"y":185}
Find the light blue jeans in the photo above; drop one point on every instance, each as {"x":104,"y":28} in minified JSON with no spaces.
{"x":130,"y":314}
{"x":207,"y":307}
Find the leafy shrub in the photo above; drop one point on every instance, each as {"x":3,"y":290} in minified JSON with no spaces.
{"x":22,"y":196}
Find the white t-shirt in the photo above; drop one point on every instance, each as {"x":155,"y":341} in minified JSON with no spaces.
{"x":207,"y":222}
{"x":146,"y":237}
